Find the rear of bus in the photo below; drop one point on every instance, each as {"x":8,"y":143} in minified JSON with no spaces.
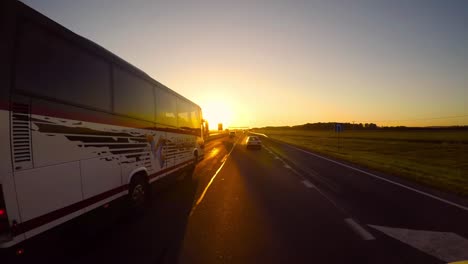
{"x":9,"y":213}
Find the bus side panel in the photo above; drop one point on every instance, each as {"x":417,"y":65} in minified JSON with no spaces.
{"x":182,"y":147}
{"x":80,"y":164}
{"x":170,"y":149}
{"x":100,"y":175}
{"x":47,"y":189}
{"x":58,"y":140}
{"x":65,"y":135}
{"x":153,"y":159}
{"x":63,"y":152}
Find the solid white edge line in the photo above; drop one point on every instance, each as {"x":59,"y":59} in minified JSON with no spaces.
{"x":208,"y":186}
{"x":200,"y":199}
{"x":310,"y":172}
{"x":384,"y":179}
{"x":224,"y":158}
{"x":316,"y":188}
{"x":287,"y":166}
{"x":358,"y":229}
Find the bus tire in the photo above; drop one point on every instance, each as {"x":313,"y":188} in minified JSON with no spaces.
{"x":139,"y":192}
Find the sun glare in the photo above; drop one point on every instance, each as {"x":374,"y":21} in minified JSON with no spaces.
{"x":216,"y":112}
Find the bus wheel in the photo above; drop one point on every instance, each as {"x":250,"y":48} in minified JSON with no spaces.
{"x":138,"y":192}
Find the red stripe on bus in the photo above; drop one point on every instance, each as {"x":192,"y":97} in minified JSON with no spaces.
{"x":44,"y":111}
{"x":170,"y":168}
{"x":59,"y":213}
{"x":4,"y":105}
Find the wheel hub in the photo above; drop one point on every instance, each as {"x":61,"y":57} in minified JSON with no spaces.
{"x":138,"y":195}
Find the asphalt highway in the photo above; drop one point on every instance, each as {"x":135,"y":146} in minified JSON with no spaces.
{"x":279,"y":204}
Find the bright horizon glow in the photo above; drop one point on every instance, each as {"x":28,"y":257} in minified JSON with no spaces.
{"x":274,"y":63}
{"x":216,"y":112}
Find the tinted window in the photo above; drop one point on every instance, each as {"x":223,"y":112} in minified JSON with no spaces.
{"x":50,"y":66}
{"x":133,"y":96}
{"x":183,"y":114}
{"x":195,"y":117}
{"x":166,"y":107}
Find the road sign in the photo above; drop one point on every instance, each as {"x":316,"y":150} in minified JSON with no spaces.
{"x":338,"y":127}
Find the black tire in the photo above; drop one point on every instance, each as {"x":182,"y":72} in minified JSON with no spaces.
{"x":139,"y":192}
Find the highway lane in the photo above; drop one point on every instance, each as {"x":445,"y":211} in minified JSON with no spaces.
{"x":248,"y":206}
{"x":388,"y":206}
{"x":260,"y":210}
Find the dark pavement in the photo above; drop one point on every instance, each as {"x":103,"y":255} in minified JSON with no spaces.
{"x":274,"y":205}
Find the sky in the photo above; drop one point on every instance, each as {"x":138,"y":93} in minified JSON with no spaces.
{"x":274,"y":63}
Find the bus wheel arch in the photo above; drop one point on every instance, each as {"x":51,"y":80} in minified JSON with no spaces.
{"x":137,"y":172}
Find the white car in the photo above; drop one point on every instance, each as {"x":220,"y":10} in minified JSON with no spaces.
{"x":253,"y":142}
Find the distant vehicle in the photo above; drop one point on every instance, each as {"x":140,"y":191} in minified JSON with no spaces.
{"x":80,"y":127}
{"x":254,"y":142}
{"x":232,"y":134}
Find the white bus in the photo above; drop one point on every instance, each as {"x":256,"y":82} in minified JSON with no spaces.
{"x":79,"y":127}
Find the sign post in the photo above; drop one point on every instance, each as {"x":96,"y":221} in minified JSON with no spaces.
{"x":339,"y":129}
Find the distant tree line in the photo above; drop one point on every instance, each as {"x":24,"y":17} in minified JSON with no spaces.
{"x":355,"y":126}
{"x":326,"y":126}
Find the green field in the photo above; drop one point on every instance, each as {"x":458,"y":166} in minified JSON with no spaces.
{"x":437,"y":158}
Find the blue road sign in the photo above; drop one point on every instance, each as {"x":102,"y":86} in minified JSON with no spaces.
{"x":338,"y":127}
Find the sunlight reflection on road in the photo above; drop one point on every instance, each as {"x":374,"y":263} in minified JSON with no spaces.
{"x":213,"y":152}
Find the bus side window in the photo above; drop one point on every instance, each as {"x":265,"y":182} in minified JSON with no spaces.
{"x":133,"y":96}
{"x":195,"y":117}
{"x":53,"y":68}
{"x":183,"y":114}
{"x":166,"y":107}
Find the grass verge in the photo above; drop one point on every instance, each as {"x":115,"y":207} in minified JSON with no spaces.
{"x":436,"y":158}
